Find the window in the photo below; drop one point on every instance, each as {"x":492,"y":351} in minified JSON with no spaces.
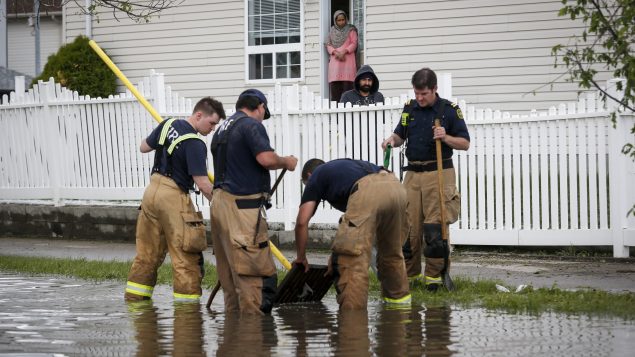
{"x":274,"y":39}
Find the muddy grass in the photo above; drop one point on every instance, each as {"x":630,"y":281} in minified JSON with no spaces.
{"x":469,"y":292}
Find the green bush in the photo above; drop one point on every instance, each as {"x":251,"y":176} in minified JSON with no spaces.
{"x":77,"y":67}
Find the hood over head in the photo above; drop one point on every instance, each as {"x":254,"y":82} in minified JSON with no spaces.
{"x":366,"y":71}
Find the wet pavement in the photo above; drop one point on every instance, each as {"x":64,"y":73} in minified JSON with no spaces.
{"x":610,"y":274}
{"x":45,"y":316}
{"x":54,"y":316}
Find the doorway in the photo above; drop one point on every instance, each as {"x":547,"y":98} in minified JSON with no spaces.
{"x":355,"y":9}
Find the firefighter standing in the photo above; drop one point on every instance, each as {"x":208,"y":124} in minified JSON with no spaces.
{"x":421,"y":181}
{"x":374,"y":203}
{"x":242,"y":160}
{"x":167,"y":219}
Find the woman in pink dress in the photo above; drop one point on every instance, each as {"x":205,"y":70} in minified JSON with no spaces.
{"x":342,"y":47}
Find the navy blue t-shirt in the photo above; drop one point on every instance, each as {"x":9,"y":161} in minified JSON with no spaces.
{"x":188,"y":158}
{"x":421,"y":146}
{"x":334,"y":180}
{"x":243,"y":174}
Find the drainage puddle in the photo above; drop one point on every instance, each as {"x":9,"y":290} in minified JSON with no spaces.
{"x":44,"y":316}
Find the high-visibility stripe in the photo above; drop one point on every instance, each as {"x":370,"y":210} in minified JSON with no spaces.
{"x":416,"y":277}
{"x":404,"y":300}
{"x":139,"y":289}
{"x":431,"y":280}
{"x":181,"y":138}
{"x":164,"y":131}
{"x":186,"y":296}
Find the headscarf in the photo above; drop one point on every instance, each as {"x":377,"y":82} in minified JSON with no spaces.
{"x":338,"y":35}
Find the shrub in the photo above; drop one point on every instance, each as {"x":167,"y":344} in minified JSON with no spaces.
{"x":77,"y":67}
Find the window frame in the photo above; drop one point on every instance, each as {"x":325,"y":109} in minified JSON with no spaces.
{"x":273,"y":50}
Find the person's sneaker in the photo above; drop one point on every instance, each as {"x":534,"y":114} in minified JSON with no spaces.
{"x":433,"y":287}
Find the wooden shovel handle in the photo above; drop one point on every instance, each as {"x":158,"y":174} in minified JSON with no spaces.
{"x":444,"y":230}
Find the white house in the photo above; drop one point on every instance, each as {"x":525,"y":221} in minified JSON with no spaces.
{"x":498,"y":51}
{"x":21,"y":33}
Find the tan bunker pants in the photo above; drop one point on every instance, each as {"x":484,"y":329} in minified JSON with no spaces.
{"x":167,"y":222}
{"x":375,"y":216}
{"x":424,"y":212}
{"x":246,"y":270}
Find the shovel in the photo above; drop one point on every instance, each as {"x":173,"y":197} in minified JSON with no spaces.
{"x":445,"y":273}
{"x":276,"y":252}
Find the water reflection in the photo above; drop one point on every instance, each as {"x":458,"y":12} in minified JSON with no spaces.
{"x":47,"y":316}
{"x":247,"y":335}
{"x":352,"y":333}
{"x":153,"y":335}
{"x":310,"y":326}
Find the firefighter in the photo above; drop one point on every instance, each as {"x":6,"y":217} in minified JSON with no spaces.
{"x":374,"y":206}
{"x":242,"y":160}
{"x":167,"y":219}
{"x":417,"y":130}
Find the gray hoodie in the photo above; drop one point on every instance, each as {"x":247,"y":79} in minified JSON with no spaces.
{"x":355,"y":97}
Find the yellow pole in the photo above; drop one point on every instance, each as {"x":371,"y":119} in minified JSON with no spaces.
{"x":279,"y":255}
{"x":131,"y":87}
{"x":125,"y":81}
{"x":158,"y":118}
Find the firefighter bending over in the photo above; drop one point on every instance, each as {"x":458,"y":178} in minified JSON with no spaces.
{"x":374,"y":206}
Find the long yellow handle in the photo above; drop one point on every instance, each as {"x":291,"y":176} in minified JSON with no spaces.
{"x":113,"y":67}
{"x":125,"y":81}
{"x":279,"y":255}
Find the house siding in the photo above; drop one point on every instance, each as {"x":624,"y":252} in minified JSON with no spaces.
{"x":199,"y":46}
{"x":498,"y":51}
{"x":21,"y":43}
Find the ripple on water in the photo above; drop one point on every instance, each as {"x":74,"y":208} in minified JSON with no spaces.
{"x":44,"y":315}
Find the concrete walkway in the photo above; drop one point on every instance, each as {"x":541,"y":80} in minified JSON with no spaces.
{"x":616,"y":275}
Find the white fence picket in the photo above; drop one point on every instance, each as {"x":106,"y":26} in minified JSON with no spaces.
{"x":592,"y":140}
{"x":542,"y":135}
{"x":583,"y":173}
{"x":498,"y":190}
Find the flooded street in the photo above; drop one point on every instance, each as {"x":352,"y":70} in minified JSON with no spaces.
{"x":44,"y":316}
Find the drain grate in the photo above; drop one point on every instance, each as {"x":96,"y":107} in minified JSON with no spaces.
{"x":299,"y":286}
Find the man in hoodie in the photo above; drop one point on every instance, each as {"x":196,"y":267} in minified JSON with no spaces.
{"x":366,"y":88}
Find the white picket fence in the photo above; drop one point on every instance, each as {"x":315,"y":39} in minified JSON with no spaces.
{"x":552,"y":178}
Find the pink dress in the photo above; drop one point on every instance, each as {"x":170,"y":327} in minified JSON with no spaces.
{"x":347,"y":69}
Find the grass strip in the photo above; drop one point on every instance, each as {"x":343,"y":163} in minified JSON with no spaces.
{"x":469,"y":293}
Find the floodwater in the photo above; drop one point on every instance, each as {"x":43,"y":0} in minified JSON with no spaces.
{"x":50,"y":316}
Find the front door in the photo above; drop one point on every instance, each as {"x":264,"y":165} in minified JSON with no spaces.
{"x":355,"y":10}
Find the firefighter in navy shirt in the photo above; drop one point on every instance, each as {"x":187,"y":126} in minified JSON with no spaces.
{"x":374,"y":206}
{"x":167,"y":219}
{"x":242,"y":160}
{"x":417,"y":130}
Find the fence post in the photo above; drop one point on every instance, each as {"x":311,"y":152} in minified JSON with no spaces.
{"x":445,"y":85}
{"x":157,"y":91}
{"x":52,"y":136}
{"x":618,"y":174}
{"x":19,"y":86}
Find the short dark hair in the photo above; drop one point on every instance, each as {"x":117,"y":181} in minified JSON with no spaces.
{"x":247,"y":102}
{"x":424,"y":78}
{"x":309,"y":167}
{"x":209,"y":106}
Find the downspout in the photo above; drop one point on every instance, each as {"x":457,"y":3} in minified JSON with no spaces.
{"x":88,"y":19}
{"x":36,"y":18}
{"x":4,"y":47}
